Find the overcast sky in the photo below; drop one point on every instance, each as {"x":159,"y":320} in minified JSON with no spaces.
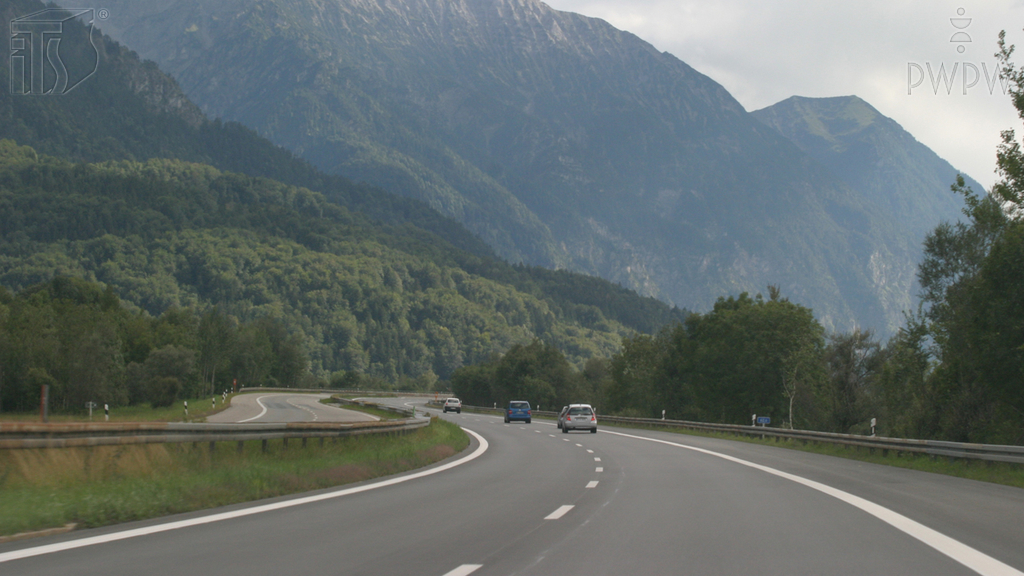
{"x":766,"y":51}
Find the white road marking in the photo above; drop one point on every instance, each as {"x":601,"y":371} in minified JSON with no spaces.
{"x":592,"y":484}
{"x":562,"y":510}
{"x":597,"y":458}
{"x":537,"y":431}
{"x":552,"y":435}
{"x":126,"y":534}
{"x":290,"y":403}
{"x":260,"y":415}
{"x":975,"y":560}
{"x":565,"y":439}
{"x":589,"y":451}
{"x":464,"y":570}
{"x":599,"y":469}
{"x":580,"y":445}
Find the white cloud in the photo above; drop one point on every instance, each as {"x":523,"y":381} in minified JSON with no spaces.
{"x":764,"y":52}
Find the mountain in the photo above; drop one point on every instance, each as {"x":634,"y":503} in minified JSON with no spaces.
{"x":873,"y":155}
{"x":130,"y":109}
{"x":558,"y":139}
{"x":137,"y":189}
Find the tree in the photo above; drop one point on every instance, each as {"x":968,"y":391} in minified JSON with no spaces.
{"x":166,"y":372}
{"x":216,"y":343}
{"x":854,"y":359}
{"x":972,"y":287}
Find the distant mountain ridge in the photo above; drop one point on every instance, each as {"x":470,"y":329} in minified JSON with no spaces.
{"x":129,"y":184}
{"x":874,"y":155}
{"x":556,"y":138}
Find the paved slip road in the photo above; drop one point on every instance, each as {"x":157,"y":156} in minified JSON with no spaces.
{"x":531,"y":500}
{"x":286,"y":407}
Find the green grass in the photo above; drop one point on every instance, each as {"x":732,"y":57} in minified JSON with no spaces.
{"x":107,"y":485}
{"x":198,"y":410}
{"x":995,"y":472}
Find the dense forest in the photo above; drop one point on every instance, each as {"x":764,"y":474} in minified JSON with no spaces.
{"x":388,"y":305}
{"x":78,"y":338}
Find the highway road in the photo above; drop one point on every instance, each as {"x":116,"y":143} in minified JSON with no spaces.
{"x":525,"y":499}
{"x":286,"y":407}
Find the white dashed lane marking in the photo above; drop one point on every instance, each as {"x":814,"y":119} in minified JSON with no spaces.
{"x":562,"y":511}
{"x":599,"y":469}
{"x":464,"y":570}
{"x":592,"y":484}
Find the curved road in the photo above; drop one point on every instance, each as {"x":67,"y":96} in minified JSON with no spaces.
{"x":286,"y":407}
{"x":536,"y":501}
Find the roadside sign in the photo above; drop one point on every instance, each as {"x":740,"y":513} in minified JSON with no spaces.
{"x":764,"y":420}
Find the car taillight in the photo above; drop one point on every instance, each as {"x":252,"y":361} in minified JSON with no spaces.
{"x":593,"y":418}
{"x":528,"y":412}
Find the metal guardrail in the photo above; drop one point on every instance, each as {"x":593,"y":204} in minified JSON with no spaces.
{"x":20,"y":435}
{"x":248,"y":389}
{"x":989,"y":452}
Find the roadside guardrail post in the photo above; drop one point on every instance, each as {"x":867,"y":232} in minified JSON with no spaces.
{"x":44,"y":403}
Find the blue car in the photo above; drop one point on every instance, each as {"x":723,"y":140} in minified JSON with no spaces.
{"x":518,"y":410}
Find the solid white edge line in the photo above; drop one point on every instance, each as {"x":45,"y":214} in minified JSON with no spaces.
{"x":115,"y":536}
{"x":975,"y":560}
{"x":561,"y":511}
{"x":464,"y":570}
{"x":260,"y":415}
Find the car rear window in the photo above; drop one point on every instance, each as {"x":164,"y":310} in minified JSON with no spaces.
{"x":519,"y":405}
{"x":579,"y":411}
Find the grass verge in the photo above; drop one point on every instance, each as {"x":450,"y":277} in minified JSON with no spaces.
{"x":995,"y":472}
{"x":106,"y":485}
{"x":198,"y":410}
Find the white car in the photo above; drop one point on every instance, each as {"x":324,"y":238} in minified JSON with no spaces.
{"x":580,"y":416}
{"x":454,"y":405}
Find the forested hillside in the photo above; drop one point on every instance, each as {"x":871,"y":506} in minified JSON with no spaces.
{"x":131,"y":110}
{"x":392,"y":302}
{"x":558,"y":139}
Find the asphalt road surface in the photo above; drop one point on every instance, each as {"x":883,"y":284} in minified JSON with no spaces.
{"x":527,"y":499}
{"x":286,"y":407}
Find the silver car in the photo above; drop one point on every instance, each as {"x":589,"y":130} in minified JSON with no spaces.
{"x":454,"y":405}
{"x":561,"y":416}
{"x":580,"y":416}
